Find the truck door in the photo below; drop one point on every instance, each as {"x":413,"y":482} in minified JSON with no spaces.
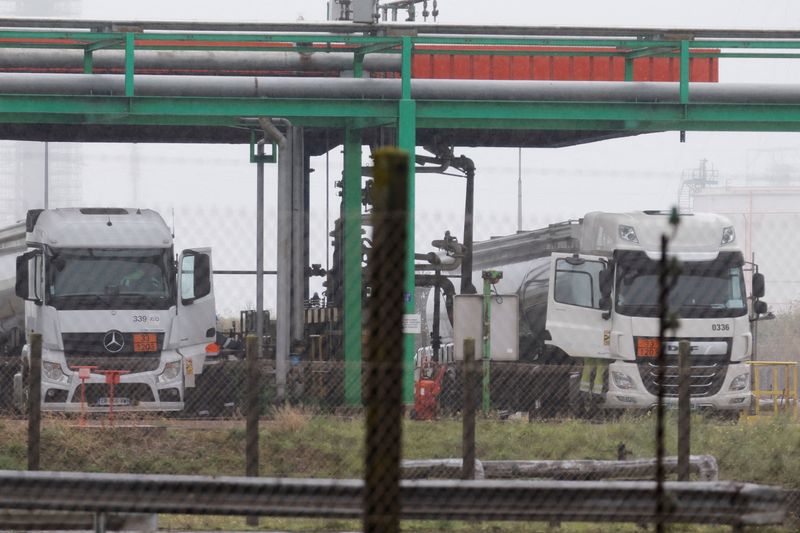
{"x":574,"y":312}
{"x":196,"y":307}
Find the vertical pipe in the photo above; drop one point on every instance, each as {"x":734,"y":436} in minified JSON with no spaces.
{"x":252,"y":350}
{"x":469,"y":207}
{"x":283,"y":302}
{"x":299,"y":232}
{"x":384,"y":348}
{"x":519,"y":190}
{"x":34,"y":386}
{"x":436,"y":338}
{"x":260,"y":250}
{"x":407,"y":140}
{"x":351,"y":200}
{"x":684,"y":410}
{"x":254,"y":347}
{"x":468,"y":424}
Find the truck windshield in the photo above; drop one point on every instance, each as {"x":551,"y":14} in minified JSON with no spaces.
{"x":105,"y":278}
{"x":705,"y":289}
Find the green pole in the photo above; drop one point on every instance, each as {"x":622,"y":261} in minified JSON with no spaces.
{"x":407,"y":140}
{"x":487,"y":341}
{"x":352,"y":266}
{"x":684,"y":71}
{"x":628,"y":69}
{"x":129,"y":64}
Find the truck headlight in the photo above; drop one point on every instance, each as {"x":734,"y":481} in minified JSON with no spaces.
{"x":622,"y":381}
{"x":171,"y":371}
{"x":52,"y":371}
{"x":740,"y":382}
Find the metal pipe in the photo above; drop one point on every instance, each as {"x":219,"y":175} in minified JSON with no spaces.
{"x":299,"y":233}
{"x":260,"y":252}
{"x":469,"y":208}
{"x":215,"y":27}
{"x":284,"y":243}
{"x":389,"y":89}
{"x":192,"y":61}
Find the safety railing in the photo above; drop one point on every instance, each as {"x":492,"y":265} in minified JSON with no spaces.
{"x":775,"y":387}
{"x":729,"y":503}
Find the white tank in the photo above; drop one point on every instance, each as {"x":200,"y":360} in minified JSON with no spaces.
{"x":12,"y":308}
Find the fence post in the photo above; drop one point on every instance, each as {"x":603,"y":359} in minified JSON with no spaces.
{"x":684,"y":410}
{"x":34,"y":386}
{"x":386,"y":269}
{"x":468,"y":427}
{"x":253,"y":412}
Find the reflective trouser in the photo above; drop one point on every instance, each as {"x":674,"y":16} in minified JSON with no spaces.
{"x":594,"y":377}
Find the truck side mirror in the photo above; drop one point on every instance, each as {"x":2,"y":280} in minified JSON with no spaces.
{"x":758,"y":285}
{"x":606,"y":279}
{"x":22,"y":286}
{"x":759,"y":307}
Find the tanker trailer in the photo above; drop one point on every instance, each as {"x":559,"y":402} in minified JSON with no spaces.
{"x":12,"y":310}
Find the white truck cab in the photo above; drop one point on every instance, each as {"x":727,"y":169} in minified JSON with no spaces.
{"x":103,"y":288}
{"x":603,"y":306}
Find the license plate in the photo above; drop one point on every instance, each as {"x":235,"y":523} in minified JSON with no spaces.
{"x":117,"y":401}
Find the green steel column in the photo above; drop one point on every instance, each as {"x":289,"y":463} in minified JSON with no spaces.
{"x":129,"y":62}
{"x":628,"y":69}
{"x":487,"y":341}
{"x":358,"y":65}
{"x":407,"y":140}
{"x":352,"y":265}
{"x":88,"y":61}
{"x":684,"y":83}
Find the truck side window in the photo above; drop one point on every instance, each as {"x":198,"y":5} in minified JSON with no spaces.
{"x":187,"y":277}
{"x":578,"y":284}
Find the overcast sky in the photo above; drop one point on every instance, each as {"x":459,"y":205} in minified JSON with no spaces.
{"x":211,"y":188}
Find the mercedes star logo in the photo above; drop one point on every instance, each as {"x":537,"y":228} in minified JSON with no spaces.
{"x":113,"y":341}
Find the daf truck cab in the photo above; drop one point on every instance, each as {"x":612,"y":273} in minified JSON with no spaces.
{"x":604,"y":306}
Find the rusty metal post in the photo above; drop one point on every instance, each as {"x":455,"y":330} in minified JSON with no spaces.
{"x":468,"y":427}
{"x":252,"y":343}
{"x":385,"y":342}
{"x":34,"y":386}
{"x":684,"y":409}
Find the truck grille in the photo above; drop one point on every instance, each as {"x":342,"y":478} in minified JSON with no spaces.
{"x":88,"y":349}
{"x":706,"y":375}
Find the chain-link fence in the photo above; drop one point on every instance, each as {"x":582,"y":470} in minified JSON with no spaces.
{"x":565,"y":408}
{"x":558,"y":423}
